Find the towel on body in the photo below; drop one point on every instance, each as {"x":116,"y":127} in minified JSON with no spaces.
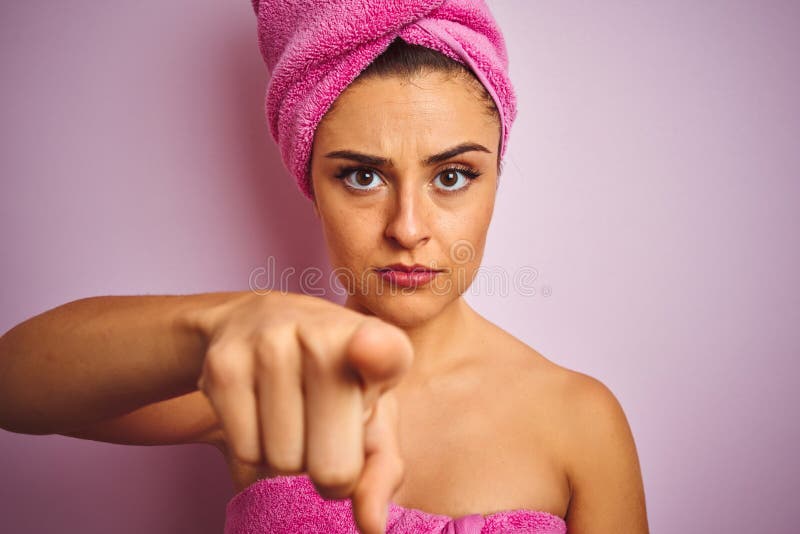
{"x":291,"y":505}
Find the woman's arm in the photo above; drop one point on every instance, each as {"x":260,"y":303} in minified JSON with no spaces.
{"x":99,"y":358}
{"x":607,"y":493}
{"x":189,"y":418}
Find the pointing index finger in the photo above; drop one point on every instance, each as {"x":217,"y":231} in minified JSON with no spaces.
{"x":380,"y":354}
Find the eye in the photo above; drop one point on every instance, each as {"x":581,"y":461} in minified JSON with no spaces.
{"x":360,"y":178}
{"x":367,"y":179}
{"x":455,"y":178}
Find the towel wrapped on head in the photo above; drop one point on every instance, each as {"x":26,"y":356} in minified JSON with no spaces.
{"x":315,"y":48}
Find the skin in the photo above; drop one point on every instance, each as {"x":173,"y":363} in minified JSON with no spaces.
{"x":486,"y":422}
{"x":409,"y":211}
{"x":476,"y":422}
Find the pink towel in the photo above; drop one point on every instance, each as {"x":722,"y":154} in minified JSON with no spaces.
{"x":291,"y":505}
{"x":314,"y":49}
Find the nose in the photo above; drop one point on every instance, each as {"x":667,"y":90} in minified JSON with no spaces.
{"x":408,"y":219}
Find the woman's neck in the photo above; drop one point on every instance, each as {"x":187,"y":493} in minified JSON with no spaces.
{"x":442,"y":341}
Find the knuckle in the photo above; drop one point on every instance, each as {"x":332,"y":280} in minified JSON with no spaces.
{"x":313,"y":332}
{"x":222,"y":368}
{"x":273,"y":352}
{"x":275,"y":344}
{"x":223,"y":376}
{"x":267,"y":339}
{"x":333,"y":481}
{"x":283,"y":462}
{"x":245,"y":455}
{"x":318,"y":350}
{"x":217,"y":351}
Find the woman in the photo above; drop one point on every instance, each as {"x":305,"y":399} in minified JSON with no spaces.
{"x":405,"y":401}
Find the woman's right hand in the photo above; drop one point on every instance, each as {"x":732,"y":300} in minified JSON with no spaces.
{"x":304,"y":385}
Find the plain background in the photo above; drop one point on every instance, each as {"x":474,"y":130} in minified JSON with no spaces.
{"x":652,"y":182}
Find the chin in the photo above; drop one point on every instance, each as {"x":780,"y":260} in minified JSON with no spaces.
{"x":405,"y":310}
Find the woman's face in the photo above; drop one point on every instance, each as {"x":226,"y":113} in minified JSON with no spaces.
{"x":405,"y":172}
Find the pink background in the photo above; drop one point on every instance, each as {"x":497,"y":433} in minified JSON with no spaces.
{"x":651,"y":181}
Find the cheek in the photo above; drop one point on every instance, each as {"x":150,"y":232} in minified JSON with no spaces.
{"x":466,"y":242}
{"x":466,"y":233}
{"x":351,"y":236}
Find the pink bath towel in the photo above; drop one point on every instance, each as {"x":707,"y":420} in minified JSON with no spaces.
{"x":291,"y":505}
{"x":314,"y":49}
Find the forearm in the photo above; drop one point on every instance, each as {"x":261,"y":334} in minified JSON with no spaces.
{"x":98,"y":357}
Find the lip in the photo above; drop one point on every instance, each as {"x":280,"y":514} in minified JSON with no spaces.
{"x":408,"y":275}
{"x":416,"y":268}
{"x":408,"y":279}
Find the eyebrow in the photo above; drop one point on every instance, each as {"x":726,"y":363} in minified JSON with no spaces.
{"x":378,"y":161}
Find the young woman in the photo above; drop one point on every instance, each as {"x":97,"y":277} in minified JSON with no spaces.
{"x":405,"y":401}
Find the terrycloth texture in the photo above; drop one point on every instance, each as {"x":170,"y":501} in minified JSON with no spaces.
{"x":315,"y":48}
{"x":291,"y":505}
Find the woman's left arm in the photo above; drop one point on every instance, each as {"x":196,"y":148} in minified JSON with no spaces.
{"x":607,"y":492}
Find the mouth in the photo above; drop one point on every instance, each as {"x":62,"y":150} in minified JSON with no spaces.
{"x":416,"y":268}
{"x":403,"y":275}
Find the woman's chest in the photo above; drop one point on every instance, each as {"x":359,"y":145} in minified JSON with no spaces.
{"x":475,"y":448}
{"x":481,"y":452}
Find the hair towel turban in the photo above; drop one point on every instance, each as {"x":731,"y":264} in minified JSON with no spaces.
{"x":314,"y":49}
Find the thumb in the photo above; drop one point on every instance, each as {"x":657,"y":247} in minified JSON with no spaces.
{"x":380,"y":354}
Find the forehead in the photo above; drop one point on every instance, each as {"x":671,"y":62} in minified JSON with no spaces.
{"x":427,"y":111}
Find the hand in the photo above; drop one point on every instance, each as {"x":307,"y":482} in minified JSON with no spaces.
{"x":304,"y":385}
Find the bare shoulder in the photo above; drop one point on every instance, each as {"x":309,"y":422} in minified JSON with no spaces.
{"x":600,"y":458}
{"x":607,"y":491}
{"x":588,"y":431}
{"x":577,"y":398}
{"x":529,"y":364}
